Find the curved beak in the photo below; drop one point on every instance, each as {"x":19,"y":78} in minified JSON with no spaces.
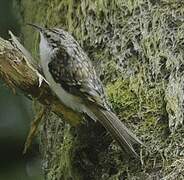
{"x":39,"y":28}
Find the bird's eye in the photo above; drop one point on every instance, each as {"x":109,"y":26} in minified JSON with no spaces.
{"x":48,"y":35}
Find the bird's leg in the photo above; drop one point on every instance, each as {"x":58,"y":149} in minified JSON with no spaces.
{"x":34,"y":126}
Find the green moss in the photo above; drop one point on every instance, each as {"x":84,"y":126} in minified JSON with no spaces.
{"x":131,"y":101}
{"x":64,"y":168}
{"x":123,"y":99}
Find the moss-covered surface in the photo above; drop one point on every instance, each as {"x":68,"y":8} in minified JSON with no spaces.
{"x":137,"y":47}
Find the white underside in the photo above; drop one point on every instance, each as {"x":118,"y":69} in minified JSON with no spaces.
{"x":69,"y":100}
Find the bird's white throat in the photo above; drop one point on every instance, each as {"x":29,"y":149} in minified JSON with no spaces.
{"x":45,"y":51}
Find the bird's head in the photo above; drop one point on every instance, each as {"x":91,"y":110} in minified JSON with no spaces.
{"x":53,"y":37}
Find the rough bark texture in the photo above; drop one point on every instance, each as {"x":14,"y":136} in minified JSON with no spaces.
{"x":137,"y":47}
{"x":17,"y":72}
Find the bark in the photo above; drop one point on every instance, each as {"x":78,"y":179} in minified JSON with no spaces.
{"x":19,"y":70}
{"x":137,"y":47}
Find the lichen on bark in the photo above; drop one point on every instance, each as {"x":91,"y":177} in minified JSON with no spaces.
{"x":137,"y":48}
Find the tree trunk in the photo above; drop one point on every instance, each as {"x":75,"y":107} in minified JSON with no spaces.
{"x":137,"y":48}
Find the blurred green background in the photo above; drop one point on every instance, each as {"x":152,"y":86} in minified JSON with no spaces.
{"x":15,"y":116}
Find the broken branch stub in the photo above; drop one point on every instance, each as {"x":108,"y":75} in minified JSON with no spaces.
{"x":18,"y":70}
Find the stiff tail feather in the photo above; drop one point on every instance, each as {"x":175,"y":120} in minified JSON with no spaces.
{"x":117,"y":129}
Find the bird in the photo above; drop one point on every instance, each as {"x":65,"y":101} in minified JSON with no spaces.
{"x":72,"y":77}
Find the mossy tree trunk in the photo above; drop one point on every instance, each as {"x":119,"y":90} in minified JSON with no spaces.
{"x":137,"y":47}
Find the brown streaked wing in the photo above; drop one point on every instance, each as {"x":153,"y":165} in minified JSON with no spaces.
{"x":76,"y":77}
